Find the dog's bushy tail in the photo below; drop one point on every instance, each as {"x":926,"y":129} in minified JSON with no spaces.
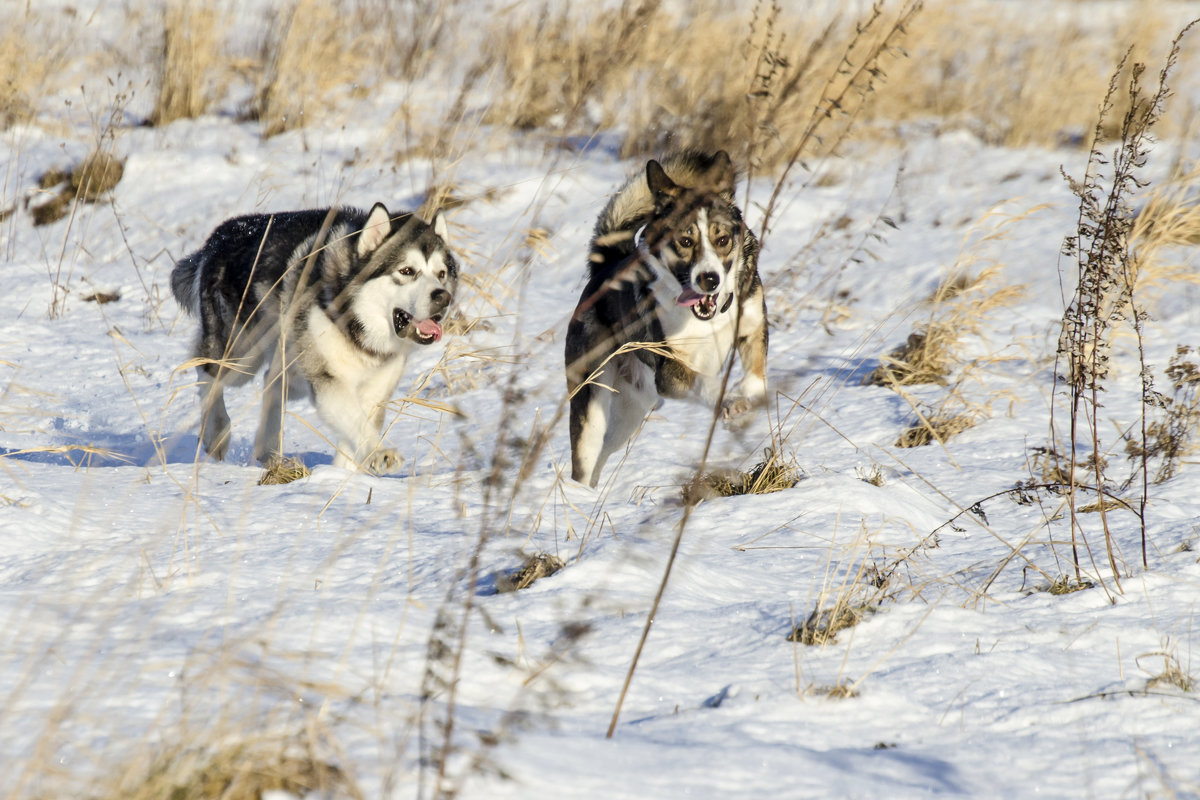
{"x":183,"y":282}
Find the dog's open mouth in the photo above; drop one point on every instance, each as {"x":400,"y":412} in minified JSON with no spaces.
{"x":704,"y":306}
{"x":425,"y":331}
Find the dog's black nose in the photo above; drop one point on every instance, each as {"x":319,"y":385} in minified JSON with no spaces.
{"x":439,"y":299}
{"x":708,"y":282}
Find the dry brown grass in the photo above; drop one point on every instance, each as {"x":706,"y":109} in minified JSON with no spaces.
{"x":1017,"y":78}
{"x":639,"y":69}
{"x":937,"y":426}
{"x":243,"y":770}
{"x":1173,"y":671}
{"x":1164,"y":235}
{"x":536,"y":567}
{"x":308,"y":52}
{"x":89,"y":181}
{"x":959,"y":307}
{"x":191,"y":61}
{"x":283,"y":470}
{"x":1064,"y":585}
{"x":845,"y":601}
{"x":649,"y":73}
{"x":555,"y":62}
{"x":317,"y":55}
{"x":35,"y":46}
{"x":773,"y":474}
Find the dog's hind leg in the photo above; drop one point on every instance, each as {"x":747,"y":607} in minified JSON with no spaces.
{"x":214,"y":418}
{"x":606,"y":413}
{"x":268,"y":442}
{"x":635,"y":396}
{"x":588,"y":422}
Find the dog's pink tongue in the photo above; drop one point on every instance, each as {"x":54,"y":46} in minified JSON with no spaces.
{"x":689,"y":298}
{"x":428,"y":328}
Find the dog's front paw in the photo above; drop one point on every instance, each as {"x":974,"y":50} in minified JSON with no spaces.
{"x":268,"y":455}
{"x":735,"y":411}
{"x":383,"y":461}
{"x":215,"y":437}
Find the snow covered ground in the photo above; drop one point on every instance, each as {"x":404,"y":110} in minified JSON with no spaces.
{"x":149,"y":596}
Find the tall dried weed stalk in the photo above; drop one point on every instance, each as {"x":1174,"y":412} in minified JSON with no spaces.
{"x":1104,"y":295}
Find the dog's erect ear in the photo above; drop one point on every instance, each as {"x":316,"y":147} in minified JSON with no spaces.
{"x":661,"y":185}
{"x":438,"y":223}
{"x":376,"y":229}
{"x":721,"y":175}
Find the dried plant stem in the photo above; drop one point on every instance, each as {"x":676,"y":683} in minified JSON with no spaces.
{"x":679,"y":529}
{"x":846,"y":99}
{"x":1104,"y":293}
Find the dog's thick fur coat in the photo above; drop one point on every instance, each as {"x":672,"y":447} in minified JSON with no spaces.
{"x":672,"y":290}
{"x":333,"y":301}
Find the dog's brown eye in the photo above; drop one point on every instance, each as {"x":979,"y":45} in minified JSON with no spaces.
{"x":442,"y":275}
{"x":406,"y":271}
{"x":685,"y":242}
{"x":722,"y":242}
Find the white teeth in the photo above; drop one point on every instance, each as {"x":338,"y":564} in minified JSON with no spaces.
{"x":706,"y":307}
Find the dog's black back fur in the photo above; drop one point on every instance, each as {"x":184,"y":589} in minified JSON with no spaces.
{"x":252,"y":260}
{"x":242,"y":252}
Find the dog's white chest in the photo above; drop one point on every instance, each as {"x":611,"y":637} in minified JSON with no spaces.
{"x":331,"y":346}
{"x":703,"y":345}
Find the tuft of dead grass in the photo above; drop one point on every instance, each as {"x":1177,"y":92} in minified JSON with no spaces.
{"x":246,"y":770}
{"x":959,"y":306}
{"x":836,"y":691}
{"x":873,"y":475}
{"x":1065,"y":585}
{"x":1172,"y":673}
{"x":536,"y":567}
{"x":861,"y":593}
{"x":101,"y":298}
{"x":96,"y":176}
{"x":773,"y":474}
{"x":88,"y":182}
{"x":283,"y":470}
{"x":925,"y":357}
{"x":938,"y":426}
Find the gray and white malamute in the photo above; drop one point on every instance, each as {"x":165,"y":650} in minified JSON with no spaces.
{"x":672,"y":290}
{"x":333,"y":300}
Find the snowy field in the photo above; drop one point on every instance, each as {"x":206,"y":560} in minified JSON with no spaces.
{"x":153,"y":600}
